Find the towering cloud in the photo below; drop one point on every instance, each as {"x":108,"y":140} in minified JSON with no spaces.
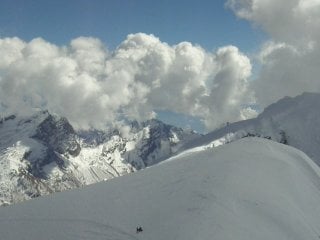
{"x":94,"y":87}
{"x":290,"y":60}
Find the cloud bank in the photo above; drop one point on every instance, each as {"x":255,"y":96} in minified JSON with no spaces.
{"x":93,"y":87}
{"x":290,"y":60}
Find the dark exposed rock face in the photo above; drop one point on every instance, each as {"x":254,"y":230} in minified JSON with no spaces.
{"x":11,"y":117}
{"x":161,"y":137}
{"x":59,"y":135}
{"x":158,"y":133}
{"x":42,"y":154}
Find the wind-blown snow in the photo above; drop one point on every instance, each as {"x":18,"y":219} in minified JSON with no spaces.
{"x":249,"y":189}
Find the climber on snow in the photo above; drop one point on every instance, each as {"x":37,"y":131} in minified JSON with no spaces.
{"x":139,"y":229}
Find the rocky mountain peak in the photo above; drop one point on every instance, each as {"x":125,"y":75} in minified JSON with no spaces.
{"x":59,"y":135}
{"x":43,"y":153}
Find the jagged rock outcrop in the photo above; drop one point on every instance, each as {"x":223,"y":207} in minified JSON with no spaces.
{"x":43,"y":154}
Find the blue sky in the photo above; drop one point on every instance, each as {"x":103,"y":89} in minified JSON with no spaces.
{"x":207,"y":23}
{"x":217,"y":83}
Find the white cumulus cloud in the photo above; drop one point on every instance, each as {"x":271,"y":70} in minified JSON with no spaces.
{"x":290,"y":59}
{"x":93,"y":87}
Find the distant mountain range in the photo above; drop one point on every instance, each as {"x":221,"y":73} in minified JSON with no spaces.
{"x":252,"y":188}
{"x":43,"y":153}
{"x":293,"y":121}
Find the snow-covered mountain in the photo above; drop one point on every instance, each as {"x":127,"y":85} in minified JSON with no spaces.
{"x":44,"y":154}
{"x":252,"y":188}
{"x":292,"y":121}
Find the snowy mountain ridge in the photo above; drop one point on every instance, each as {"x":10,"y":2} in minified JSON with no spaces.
{"x":292,"y":120}
{"x":44,"y":154}
{"x":252,"y":188}
{"x":233,"y":183}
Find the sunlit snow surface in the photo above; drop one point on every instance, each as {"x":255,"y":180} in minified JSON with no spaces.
{"x":252,"y":188}
{"x":35,"y":159}
{"x":294,"y":121}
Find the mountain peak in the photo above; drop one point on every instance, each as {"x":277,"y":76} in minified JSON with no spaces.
{"x":43,"y":153}
{"x":291,"y":120}
{"x":304,"y":102}
{"x":249,"y":189}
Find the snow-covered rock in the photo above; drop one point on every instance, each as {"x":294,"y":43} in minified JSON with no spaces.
{"x":252,"y":188}
{"x":44,"y":154}
{"x":292,"y":121}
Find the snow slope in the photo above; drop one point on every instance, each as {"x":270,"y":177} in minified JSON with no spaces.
{"x":43,"y":154}
{"x":293,"y":121}
{"x":252,"y":188}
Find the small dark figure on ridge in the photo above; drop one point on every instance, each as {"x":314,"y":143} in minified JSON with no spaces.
{"x":139,"y":229}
